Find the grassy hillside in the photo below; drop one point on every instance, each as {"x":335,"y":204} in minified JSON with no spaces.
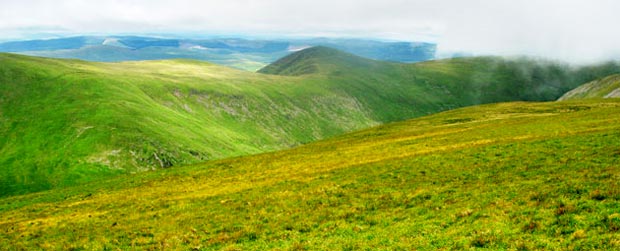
{"x":433,"y":86}
{"x":512,"y":176}
{"x":66,"y":122}
{"x":607,"y":87}
{"x":69,"y":122}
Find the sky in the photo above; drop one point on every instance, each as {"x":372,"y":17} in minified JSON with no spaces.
{"x":579,"y":31}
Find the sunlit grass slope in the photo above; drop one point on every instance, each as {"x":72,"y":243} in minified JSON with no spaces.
{"x":607,"y":87}
{"x":510,"y":176}
{"x":66,"y":122}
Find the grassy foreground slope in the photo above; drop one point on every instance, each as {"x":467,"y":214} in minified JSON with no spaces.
{"x":67,"y":122}
{"x":510,"y":176}
{"x":607,"y":87}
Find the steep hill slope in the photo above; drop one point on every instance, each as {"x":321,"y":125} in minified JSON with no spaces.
{"x":65,"y":121}
{"x":607,"y":87}
{"x":433,"y":86}
{"x":514,"y":176}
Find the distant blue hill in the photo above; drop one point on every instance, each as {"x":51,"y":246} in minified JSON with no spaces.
{"x":40,"y":45}
{"x":240,"y":53}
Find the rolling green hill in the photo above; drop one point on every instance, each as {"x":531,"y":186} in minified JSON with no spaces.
{"x":511,"y":176}
{"x":607,"y":87}
{"x":65,"y":122}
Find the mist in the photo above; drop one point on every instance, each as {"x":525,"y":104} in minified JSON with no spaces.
{"x":571,"y":31}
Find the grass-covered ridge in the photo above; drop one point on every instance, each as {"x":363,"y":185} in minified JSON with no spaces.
{"x":607,"y":87}
{"x":66,"y":122}
{"x":512,"y":176}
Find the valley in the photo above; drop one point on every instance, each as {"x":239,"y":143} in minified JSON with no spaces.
{"x":68,"y":122}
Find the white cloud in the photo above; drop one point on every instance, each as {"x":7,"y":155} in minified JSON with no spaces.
{"x":574,"y":30}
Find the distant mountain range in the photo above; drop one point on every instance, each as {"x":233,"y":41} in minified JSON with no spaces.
{"x":247,"y":54}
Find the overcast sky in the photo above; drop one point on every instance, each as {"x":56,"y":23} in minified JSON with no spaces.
{"x":572,"y":30}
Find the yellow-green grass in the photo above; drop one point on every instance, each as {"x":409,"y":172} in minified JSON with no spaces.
{"x":66,"y":122}
{"x":510,"y":176}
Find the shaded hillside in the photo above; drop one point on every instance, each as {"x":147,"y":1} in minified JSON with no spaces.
{"x":607,"y":87}
{"x":512,"y":176}
{"x":66,"y":122}
{"x":433,"y":86}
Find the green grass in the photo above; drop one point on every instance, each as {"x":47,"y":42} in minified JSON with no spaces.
{"x":607,"y":87}
{"x":67,"y":122}
{"x":510,"y":176}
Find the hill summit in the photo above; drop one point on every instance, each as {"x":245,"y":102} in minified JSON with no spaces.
{"x":318,"y":59}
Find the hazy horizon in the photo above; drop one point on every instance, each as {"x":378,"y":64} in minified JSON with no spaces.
{"x":572,"y":31}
